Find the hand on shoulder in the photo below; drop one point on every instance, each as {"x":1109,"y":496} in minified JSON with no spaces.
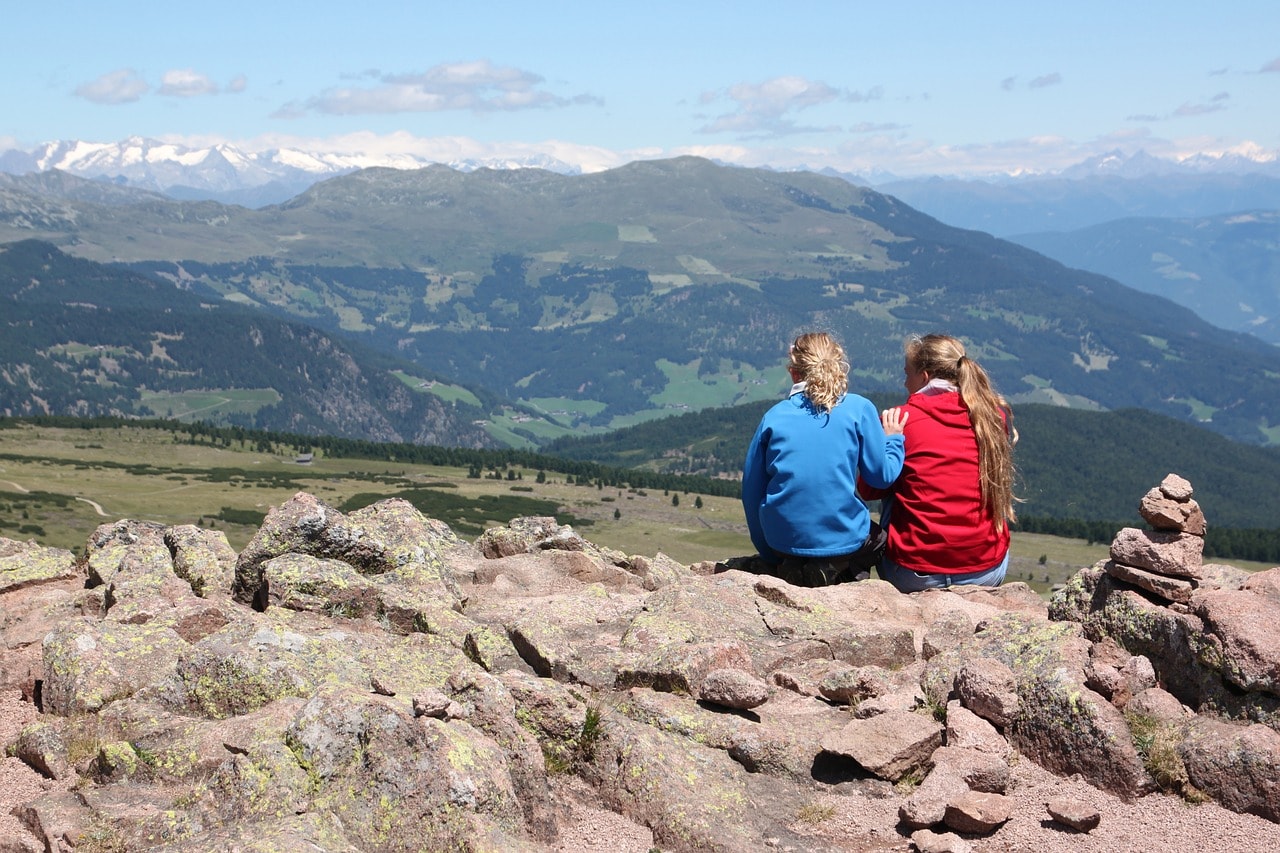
{"x":893,"y":420}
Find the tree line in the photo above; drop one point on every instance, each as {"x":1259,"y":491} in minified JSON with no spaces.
{"x":334,"y":447}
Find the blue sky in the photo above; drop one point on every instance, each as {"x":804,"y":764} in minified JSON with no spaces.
{"x":909,"y":88}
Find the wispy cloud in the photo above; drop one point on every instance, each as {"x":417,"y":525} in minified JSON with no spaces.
{"x":1041,"y":82}
{"x":1271,"y":67}
{"x":766,"y":108}
{"x":1215,"y":104}
{"x":1199,"y":109}
{"x":478,"y":86}
{"x":869,"y":127}
{"x":121,"y":86}
{"x":125,"y":85}
{"x":185,"y":83}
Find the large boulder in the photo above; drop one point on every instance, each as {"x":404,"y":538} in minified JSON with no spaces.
{"x":1057,"y":720}
{"x":1218,"y":652}
{"x":90,"y":663}
{"x":1237,"y":764}
{"x":202,"y":557}
{"x":24,"y":564}
{"x":384,"y":537}
{"x":891,"y":745}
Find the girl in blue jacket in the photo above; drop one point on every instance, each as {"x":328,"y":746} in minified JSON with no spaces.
{"x":799,"y":479}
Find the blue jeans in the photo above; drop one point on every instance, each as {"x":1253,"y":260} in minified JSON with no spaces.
{"x":908,"y":581}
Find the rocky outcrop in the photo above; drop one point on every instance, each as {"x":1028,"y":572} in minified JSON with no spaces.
{"x":370,"y":681}
{"x":1210,"y":702}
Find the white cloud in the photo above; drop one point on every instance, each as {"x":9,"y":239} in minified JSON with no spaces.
{"x":478,"y":86}
{"x":121,"y":86}
{"x":1272,"y":66}
{"x":289,"y":111}
{"x":186,"y":83}
{"x":764,"y":108}
{"x":238,"y":84}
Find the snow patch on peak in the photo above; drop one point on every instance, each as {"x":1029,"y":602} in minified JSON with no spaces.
{"x":226,"y":172}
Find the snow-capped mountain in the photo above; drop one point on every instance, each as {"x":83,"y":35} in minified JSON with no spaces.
{"x":1144,"y":165}
{"x":1116,"y":164}
{"x":224,"y":172}
{"x":228,"y":174}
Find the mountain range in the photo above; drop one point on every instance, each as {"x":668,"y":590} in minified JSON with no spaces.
{"x":1060,"y":203}
{"x":591,"y":302}
{"x":1226,"y":268}
{"x":1107,"y":186}
{"x":1186,"y":262}
{"x":224,"y":172}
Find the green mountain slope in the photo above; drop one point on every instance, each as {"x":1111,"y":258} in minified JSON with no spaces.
{"x":599,"y":301}
{"x":86,"y":339}
{"x":1225,"y":268}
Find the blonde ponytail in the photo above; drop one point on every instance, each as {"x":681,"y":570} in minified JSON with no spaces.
{"x":943,"y":357}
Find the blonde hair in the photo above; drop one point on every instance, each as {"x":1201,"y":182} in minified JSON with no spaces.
{"x":943,"y":357}
{"x":822,"y":364}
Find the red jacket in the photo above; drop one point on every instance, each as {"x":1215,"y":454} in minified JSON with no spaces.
{"x":936,"y":522}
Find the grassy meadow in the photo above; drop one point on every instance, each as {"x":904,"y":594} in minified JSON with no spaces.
{"x":57,"y":485}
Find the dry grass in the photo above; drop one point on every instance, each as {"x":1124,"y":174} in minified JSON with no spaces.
{"x":82,"y":469}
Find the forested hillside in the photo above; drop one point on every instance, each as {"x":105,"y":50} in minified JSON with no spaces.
{"x":82,"y":338}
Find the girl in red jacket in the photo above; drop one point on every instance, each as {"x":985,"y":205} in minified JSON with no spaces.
{"x":948,"y":513}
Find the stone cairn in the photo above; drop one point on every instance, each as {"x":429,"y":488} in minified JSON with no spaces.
{"x":1166,"y":561}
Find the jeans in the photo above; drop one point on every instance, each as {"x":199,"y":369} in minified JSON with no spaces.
{"x":908,"y":581}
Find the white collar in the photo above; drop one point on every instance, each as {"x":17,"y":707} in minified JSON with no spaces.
{"x":938,"y":386}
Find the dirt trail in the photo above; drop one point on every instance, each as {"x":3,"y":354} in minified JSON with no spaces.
{"x":97,"y":506}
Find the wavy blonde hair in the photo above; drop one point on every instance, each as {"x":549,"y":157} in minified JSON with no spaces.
{"x":821,"y":362}
{"x":943,"y":357}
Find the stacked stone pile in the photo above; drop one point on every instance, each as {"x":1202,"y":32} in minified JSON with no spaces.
{"x":1206,"y":641}
{"x":1166,"y":561}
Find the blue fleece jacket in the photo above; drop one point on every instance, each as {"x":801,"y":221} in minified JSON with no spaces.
{"x":798,"y":482}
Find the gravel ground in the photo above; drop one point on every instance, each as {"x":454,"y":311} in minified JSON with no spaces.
{"x":866,"y":824}
{"x":1159,"y":822}
{"x":18,"y":782}
{"x":850,"y":822}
